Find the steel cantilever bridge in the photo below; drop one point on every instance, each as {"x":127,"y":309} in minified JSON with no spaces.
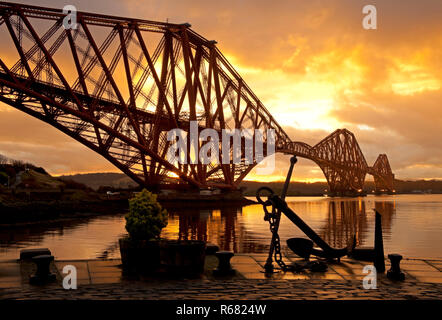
{"x":118,"y":85}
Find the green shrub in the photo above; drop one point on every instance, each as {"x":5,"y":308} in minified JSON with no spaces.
{"x":3,"y":178}
{"x":146,"y":217}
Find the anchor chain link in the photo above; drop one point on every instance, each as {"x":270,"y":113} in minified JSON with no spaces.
{"x":274,"y":219}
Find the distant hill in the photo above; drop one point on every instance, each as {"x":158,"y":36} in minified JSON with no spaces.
{"x":418,"y":186}
{"x":120,"y":180}
{"x":106,"y":179}
{"x":318,"y":188}
{"x":34,"y":179}
{"x":19,"y":174}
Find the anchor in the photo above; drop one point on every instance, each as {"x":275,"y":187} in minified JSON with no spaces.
{"x":304,"y":247}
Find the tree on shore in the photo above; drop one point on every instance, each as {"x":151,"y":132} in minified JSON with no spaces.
{"x":3,"y":160}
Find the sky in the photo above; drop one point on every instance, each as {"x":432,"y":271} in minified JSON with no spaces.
{"x":313,"y":66}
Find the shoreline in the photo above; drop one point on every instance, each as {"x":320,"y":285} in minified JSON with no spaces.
{"x":21,"y":213}
{"x":35,"y":212}
{"x":38,"y":211}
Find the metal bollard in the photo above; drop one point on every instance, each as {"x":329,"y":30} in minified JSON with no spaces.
{"x":395,"y":272}
{"x":43,"y":274}
{"x":224,"y":267}
{"x":211,"y":249}
{"x":28,"y":254}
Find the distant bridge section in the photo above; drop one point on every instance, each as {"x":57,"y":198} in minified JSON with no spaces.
{"x":118,"y":85}
{"x":343,"y":163}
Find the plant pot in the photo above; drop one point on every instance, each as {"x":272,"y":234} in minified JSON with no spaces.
{"x":140,"y":256}
{"x":184,"y":257}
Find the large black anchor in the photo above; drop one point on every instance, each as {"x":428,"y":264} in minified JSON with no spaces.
{"x":302,"y":247}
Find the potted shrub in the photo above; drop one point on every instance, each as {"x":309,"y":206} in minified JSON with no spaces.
{"x":140,"y":251}
{"x":144,"y":252}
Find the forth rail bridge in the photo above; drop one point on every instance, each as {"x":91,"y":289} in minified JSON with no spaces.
{"x":118,"y":85}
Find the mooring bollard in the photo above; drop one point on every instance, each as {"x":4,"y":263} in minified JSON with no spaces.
{"x":395,"y":272}
{"x":43,"y":274}
{"x":211,"y":249}
{"x":28,"y":254}
{"x":224,"y":267}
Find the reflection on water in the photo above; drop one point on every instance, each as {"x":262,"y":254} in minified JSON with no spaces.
{"x":236,"y":228}
{"x":83,"y":239}
{"x":348,"y":218}
{"x":411,"y":226}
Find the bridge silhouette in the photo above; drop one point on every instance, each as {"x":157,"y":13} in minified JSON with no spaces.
{"x":118,"y":85}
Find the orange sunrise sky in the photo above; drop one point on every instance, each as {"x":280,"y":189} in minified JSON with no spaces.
{"x":313,"y":66}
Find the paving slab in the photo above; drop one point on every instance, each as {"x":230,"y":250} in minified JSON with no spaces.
{"x":435,"y":264}
{"x":10,"y":284}
{"x":259,"y":257}
{"x":294,"y":276}
{"x":242,"y":260}
{"x":100,"y":280}
{"x":106,"y":275}
{"x":345,"y":270}
{"x":420,"y":275}
{"x":81,"y":267}
{"x":254,"y":275}
{"x":326,"y":276}
{"x":113,"y":266}
{"x":10,"y":273}
{"x":245,"y":264}
{"x":105,"y":263}
{"x":418,"y":266}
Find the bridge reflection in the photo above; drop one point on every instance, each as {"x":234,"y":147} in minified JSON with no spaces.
{"x":236,"y":228}
{"x":348,"y":218}
{"x":242,"y":229}
{"x":220,"y":226}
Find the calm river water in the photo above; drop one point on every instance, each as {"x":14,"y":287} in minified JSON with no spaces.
{"x":412,"y":226}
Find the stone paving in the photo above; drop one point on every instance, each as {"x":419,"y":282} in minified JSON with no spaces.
{"x":233,"y":289}
{"x":103,"y":279}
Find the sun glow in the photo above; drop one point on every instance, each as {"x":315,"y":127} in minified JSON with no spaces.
{"x":303,"y":104}
{"x":172,"y":174}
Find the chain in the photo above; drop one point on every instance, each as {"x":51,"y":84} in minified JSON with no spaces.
{"x":274,"y":219}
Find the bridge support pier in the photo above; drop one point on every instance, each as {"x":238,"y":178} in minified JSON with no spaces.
{"x":383,"y":176}
{"x":344,"y":183}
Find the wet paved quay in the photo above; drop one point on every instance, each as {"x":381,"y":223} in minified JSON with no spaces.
{"x":103,"y":279}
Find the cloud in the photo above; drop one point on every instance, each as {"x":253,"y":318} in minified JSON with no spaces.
{"x":25,"y":138}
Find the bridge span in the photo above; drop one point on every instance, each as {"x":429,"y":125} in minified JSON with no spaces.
{"x":118,"y":85}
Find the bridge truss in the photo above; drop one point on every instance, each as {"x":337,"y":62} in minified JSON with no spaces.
{"x":118,"y":85}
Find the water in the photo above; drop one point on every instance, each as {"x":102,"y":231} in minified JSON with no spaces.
{"x":412,"y":226}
